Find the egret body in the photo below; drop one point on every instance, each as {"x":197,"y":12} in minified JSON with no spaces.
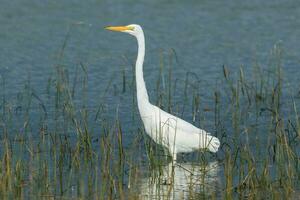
{"x":165,"y":129}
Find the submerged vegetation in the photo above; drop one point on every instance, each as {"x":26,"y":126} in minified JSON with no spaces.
{"x":56,"y":146}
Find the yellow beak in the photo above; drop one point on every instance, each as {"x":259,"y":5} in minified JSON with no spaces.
{"x":118,"y":28}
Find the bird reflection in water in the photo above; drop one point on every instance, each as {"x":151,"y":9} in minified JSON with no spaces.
{"x":181,"y":181}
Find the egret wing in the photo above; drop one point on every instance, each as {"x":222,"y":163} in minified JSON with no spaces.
{"x":188,"y":136}
{"x":177,"y":123}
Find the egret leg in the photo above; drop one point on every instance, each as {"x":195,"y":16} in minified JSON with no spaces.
{"x":174,"y":158}
{"x":168,"y":177}
{"x":174,"y":155}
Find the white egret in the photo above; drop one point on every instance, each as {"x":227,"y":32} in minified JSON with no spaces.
{"x":165,"y":129}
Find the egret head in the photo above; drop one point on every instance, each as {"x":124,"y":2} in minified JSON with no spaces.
{"x":132,"y":29}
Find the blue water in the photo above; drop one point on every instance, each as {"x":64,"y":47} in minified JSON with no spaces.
{"x":204,"y":34}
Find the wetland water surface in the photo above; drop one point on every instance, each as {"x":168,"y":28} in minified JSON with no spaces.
{"x":69,"y":120}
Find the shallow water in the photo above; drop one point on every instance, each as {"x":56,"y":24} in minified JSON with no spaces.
{"x":204,"y":35}
{"x":184,"y":181}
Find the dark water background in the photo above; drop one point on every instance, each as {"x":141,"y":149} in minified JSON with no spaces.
{"x":204,"y":34}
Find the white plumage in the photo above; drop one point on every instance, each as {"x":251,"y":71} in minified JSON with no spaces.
{"x":170,"y":131}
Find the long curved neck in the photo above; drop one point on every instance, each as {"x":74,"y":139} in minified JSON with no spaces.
{"x":142,"y":95}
